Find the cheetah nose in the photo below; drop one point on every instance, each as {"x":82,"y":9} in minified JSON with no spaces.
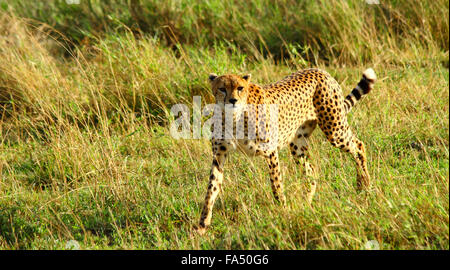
{"x":233,"y":100}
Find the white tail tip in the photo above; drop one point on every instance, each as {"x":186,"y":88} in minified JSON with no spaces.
{"x":370,"y":74}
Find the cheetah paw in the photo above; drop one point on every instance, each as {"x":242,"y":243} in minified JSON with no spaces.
{"x":200,"y":230}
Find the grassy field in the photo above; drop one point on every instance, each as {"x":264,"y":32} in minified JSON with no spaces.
{"x":86,"y":155}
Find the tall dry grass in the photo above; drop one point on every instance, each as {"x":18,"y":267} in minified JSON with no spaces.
{"x":86,"y":152}
{"x":337,"y":32}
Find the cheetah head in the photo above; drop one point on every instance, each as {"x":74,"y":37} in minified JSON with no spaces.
{"x":230,"y":89}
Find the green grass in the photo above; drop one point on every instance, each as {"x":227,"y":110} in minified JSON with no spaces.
{"x":86,"y":154}
{"x":337,"y":32}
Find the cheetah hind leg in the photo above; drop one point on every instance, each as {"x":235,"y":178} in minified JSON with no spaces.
{"x":357,"y":150}
{"x":348,"y":142}
{"x":299,"y":150}
{"x":363,"y":177}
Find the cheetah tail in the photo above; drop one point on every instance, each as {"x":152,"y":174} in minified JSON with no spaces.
{"x":363,"y":88}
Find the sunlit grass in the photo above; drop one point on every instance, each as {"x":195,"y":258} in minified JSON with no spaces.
{"x":86,"y":153}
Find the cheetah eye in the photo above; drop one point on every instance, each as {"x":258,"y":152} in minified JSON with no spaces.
{"x":222,"y":90}
{"x":240,"y":88}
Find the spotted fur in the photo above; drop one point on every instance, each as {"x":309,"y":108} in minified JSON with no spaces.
{"x":306,"y":99}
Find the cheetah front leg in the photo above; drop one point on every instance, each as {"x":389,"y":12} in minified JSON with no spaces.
{"x":215,"y":184}
{"x":275,"y":177}
{"x":304,"y":159}
{"x":299,"y":150}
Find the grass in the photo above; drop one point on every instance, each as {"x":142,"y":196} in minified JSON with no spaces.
{"x":86,"y":154}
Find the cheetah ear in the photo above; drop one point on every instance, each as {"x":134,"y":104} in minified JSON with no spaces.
{"x":212,"y":77}
{"x":247,"y":77}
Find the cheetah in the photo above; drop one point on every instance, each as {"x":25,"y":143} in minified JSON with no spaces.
{"x":304,"y":99}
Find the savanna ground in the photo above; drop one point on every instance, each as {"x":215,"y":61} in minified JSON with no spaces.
{"x":85,"y":96}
